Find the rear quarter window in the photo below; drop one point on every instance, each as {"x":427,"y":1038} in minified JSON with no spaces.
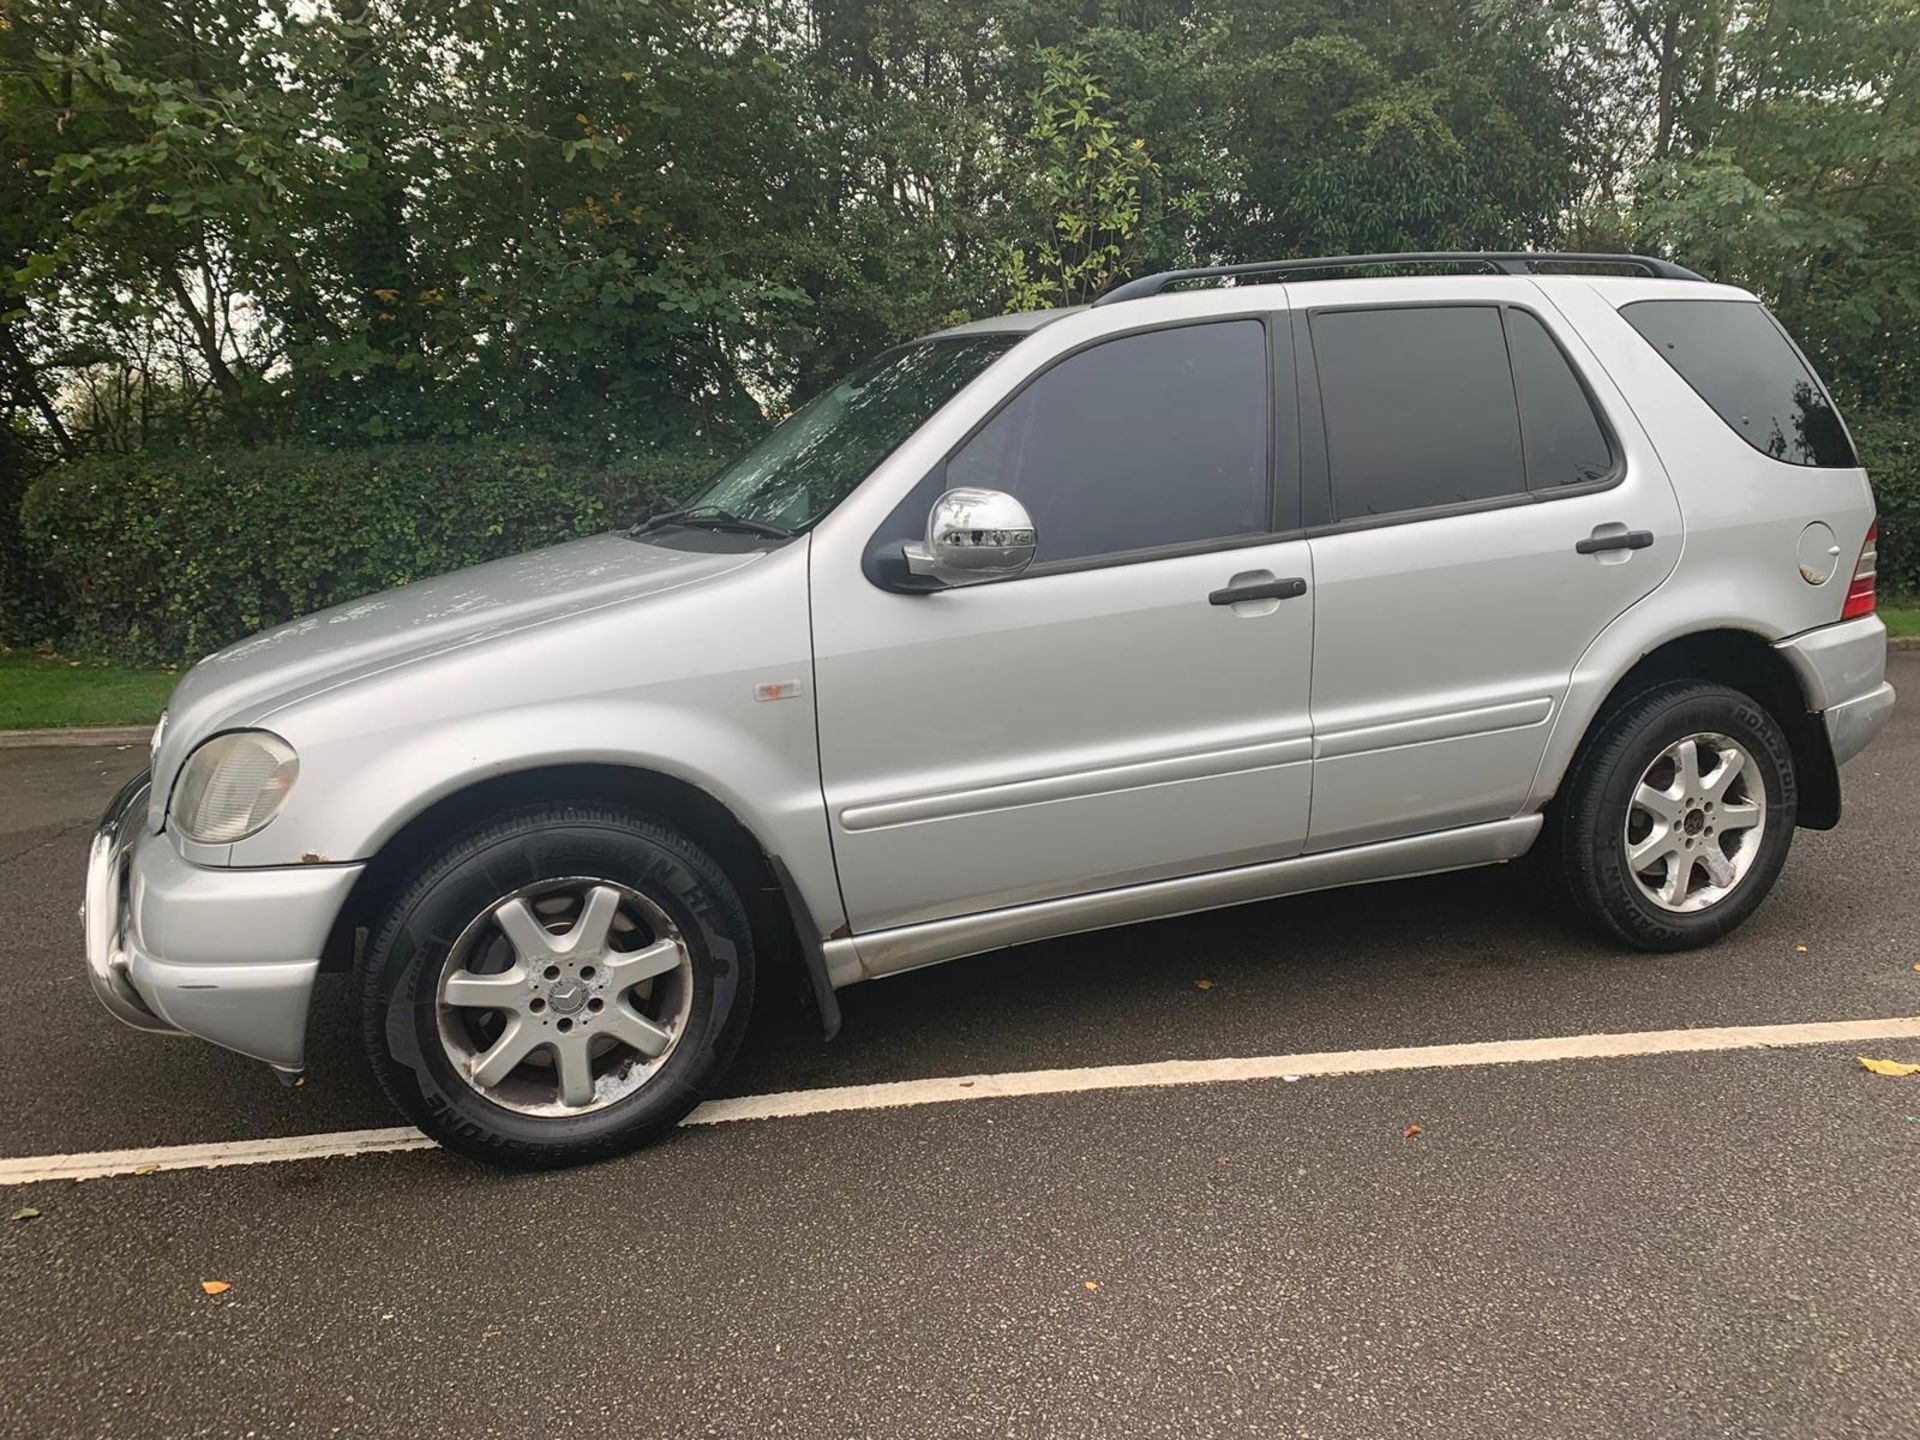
{"x":1738,"y":359}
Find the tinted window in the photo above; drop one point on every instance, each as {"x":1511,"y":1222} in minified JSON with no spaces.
{"x":1148,"y":440}
{"x":1741,"y":363}
{"x":1564,"y":442}
{"x":1419,"y":408}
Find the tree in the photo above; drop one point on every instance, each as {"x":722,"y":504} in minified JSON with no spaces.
{"x":637,"y":223}
{"x":1087,"y":189}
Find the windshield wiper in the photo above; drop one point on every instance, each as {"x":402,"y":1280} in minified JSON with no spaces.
{"x":710,"y":517}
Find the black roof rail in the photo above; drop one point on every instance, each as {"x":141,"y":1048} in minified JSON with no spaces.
{"x":1504,"y":262}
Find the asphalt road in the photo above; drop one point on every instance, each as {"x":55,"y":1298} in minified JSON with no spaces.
{"x":1711,"y":1245}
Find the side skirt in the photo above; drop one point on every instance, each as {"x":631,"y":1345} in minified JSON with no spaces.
{"x":908,"y":947}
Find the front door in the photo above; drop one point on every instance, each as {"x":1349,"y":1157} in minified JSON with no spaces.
{"x":1486,"y":506}
{"x":1107,"y":718}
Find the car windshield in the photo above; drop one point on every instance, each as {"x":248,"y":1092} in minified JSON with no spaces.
{"x":813,"y":460}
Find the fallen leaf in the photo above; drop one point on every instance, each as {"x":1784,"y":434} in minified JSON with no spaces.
{"x":215,"y":1287}
{"x":1917,"y":967}
{"x":146,"y":1169}
{"x":1203,"y":984}
{"x":1799,"y":949}
{"x":25,"y":1212}
{"x":1411,"y":1131}
{"x":1888,"y":1067}
{"x":1091,"y":1284}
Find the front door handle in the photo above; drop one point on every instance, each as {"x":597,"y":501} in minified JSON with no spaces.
{"x":1623,"y":540}
{"x":1259,"y":590}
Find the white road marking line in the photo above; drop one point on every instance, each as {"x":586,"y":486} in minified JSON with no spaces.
{"x":946,"y":1089}
{"x":100,"y":1163}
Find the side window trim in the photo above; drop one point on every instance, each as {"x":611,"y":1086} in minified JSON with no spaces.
{"x":1616,"y":452}
{"x":1283,"y":461}
{"x":1316,"y":475}
{"x":1284,"y":427}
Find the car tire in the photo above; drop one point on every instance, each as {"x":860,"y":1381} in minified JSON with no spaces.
{"x":1636,"y":834}
{"x":482,"y":987}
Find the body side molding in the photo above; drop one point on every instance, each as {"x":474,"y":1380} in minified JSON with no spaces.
{"x":908,"y":947}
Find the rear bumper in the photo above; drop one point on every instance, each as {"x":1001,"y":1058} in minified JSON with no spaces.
{"x":226,"y":955}
{"x":1838,"y":663}
{"x":1843,"y":671}
{"x":1852,"y":724}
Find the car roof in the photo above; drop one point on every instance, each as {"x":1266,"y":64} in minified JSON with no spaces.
{"x":1617,"y":290}
{"x":1020,"y":322}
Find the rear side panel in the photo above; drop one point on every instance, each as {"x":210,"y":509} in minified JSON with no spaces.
{"x":1746,"y":515}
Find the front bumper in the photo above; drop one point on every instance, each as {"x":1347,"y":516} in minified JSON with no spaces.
{"x":228,"y":955}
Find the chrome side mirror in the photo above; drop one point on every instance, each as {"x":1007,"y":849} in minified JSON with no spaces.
{"x":973,"y":536}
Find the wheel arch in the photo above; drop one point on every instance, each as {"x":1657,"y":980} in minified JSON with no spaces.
{"x":783,"y":928}
{"x":1747,"y":662}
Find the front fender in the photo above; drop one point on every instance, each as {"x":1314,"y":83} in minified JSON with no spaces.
{"x":672,"y":685}
{"x":360,"y":801}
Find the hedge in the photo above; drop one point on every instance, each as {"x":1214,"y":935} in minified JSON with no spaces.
{"x":1890,"y":449}
{"x":165,"y":556}
{"x":162,"y":557}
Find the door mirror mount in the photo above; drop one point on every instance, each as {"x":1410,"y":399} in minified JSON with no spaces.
{"x":973,"y":536}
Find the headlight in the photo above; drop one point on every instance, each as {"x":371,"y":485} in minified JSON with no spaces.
{"x":232,"y":786}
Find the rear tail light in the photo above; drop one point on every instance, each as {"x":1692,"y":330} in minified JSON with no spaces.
{"x":1860,"y":596}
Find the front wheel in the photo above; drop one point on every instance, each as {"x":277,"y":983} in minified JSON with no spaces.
{"x":1677,"y":816}
{"x":561,"y":985}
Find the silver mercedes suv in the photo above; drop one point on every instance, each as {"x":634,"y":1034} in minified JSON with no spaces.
{"x":1239,"y":583}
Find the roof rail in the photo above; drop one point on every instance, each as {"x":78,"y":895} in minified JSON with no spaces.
{"x":1504,"y":262}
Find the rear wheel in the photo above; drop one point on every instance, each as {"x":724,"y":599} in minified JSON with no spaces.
{"x":561,"y":985}
{"x":1677,"y":816}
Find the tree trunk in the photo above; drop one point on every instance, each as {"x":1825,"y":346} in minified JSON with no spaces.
{"x":1669,"y":82}
{"x":209,"y":338}
{"x":27,"y":381}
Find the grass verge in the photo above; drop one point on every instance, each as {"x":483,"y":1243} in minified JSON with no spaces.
{"x":43,"y":692}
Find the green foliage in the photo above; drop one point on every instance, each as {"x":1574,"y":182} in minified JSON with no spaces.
{"x":1088,"y":185}
{"x":1788,"y":162}
{"x":626,"y":226}
{"x":165,"y":556}
{"x":1799,"y":176}
{"x":1889,"y":443}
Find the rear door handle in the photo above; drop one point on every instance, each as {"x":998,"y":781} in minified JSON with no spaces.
{"x":1259,"y":590}
{"x":1625,"y":540}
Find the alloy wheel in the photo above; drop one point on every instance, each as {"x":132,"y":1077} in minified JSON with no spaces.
{"x":1695,"y":823}
{"x":565,"y":997}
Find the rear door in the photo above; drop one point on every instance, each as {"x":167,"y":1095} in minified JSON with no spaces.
{"x":1480,"y":505}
